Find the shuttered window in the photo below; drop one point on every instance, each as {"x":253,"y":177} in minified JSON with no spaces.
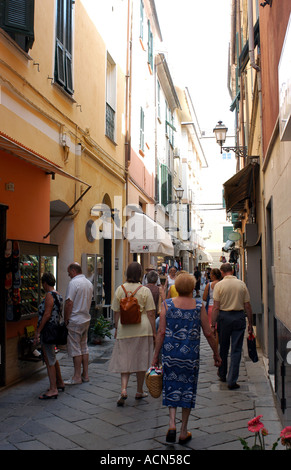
{"x":150,"y":46}
{"x":164,"y":184}
{"x":141,"y":17}
{"x":63,"y":58}
{"x":17,"y":19}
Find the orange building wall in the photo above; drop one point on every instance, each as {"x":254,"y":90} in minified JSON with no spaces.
{"x":273,"y":24}
{"x":28,"y":216}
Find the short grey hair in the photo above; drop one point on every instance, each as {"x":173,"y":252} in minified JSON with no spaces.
{"x":152,"y":277}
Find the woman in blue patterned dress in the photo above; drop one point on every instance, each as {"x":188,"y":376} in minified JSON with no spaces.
{"x":181,"y":320}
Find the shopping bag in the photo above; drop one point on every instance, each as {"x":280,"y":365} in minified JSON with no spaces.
{"x":154,"y":381}
{"x":252,"y":348}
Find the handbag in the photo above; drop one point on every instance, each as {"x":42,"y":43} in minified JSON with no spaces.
{"x":54,"y":333}
{"x":252,"y":348}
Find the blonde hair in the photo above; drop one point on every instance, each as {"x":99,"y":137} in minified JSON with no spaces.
{"x":185,"y":284}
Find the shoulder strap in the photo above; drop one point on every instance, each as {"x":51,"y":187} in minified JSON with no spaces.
{"x":165,"y":305}
{"x":124,"y":289}
{"x":136,"y":290}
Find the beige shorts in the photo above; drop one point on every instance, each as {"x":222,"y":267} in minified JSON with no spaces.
{"x":77,"y":344}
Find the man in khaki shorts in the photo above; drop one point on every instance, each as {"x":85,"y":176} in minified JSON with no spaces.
{"x":230,"y":307}
{"x":77,"y":318}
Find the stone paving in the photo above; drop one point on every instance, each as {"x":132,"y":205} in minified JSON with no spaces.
{"x":85,"y":417}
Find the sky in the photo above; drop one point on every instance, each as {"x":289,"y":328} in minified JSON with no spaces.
{"x":196,"y":35}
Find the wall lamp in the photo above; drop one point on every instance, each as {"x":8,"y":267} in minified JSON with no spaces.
{"x":220,"y":131}
{"x":179,"y":193}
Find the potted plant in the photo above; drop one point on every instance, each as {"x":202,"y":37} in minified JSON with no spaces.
{"x":101,"y":329}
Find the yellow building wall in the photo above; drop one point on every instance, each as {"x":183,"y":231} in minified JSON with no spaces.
{"x":39,"y":115}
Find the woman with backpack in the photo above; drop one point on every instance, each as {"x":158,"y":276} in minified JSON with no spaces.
{"x":135,"y":331}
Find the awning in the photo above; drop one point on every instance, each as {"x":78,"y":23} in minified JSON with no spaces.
{"x":146,"y":236}
{"x":240,"y":187}
{"x":183,"y":246}
{"x":15,"y":148}
{"x":203,"y":256}
{"x":10,"y":145}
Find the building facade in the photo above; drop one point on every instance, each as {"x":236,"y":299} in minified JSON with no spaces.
{"x":62,"y":152}
{"x":258,"y":195}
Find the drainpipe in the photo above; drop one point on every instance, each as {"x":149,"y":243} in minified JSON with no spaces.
{"x":128,"y":105}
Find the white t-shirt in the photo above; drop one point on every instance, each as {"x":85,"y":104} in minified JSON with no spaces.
{"x":80,"y":292}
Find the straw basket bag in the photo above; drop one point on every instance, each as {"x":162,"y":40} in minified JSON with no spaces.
{"x":154,"y":381}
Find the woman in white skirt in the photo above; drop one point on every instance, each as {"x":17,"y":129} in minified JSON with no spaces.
{"x":134,"y":344}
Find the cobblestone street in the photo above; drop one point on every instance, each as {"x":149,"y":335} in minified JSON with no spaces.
{"x":86,"y":416}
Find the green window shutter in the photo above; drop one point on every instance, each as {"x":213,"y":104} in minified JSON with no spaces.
{"x":69,"y":73}
{"x":141,"y":19}
{"x":60,"y":64}
{"x":150,"y":46}
{"x":164,"y":184}
{"x":170,"y":187}
{"x":17,"y":19}
{"x":63,"y":59}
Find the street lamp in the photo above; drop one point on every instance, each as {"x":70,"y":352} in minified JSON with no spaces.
{"x":179,"y":193}
{"x":220,"y":131}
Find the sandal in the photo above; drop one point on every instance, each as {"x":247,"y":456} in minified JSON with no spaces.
{"x":188,"y":438}
{"x":171,"y":435}
{"x":138,"y":395}
{"x":122,"y":398}
{"x":47,"y":397}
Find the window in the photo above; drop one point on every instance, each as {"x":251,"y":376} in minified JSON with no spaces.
{"x":63,"y":56}
{"x":169,"y":124}
{"x":110,"y":98}
{"x":141,"y":19}
{"x":159,"y":99}
{"x":141,"y":131}
{"x":166,"y":185}
{"x":17,"y":19}
{"x":150,"y":47}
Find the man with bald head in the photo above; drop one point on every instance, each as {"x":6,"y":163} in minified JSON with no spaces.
{"x":77,"y":318}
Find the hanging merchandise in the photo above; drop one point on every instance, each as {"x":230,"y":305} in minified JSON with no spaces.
{"x":12,"y":280}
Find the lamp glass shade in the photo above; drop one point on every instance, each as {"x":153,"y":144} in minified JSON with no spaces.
{"x":220,"y":131}
{"x":179,"y":192}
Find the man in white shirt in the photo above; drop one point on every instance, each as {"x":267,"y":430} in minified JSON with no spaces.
{"x":77,"y":318}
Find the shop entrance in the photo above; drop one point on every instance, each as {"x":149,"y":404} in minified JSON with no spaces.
{"x":3,"y":210}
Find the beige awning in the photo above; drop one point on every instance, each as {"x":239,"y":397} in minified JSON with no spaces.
{"x":203,"y":256}
{"x":147,"y":236}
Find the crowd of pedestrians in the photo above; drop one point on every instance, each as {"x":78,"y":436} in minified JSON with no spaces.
{"x":154,"y":317}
